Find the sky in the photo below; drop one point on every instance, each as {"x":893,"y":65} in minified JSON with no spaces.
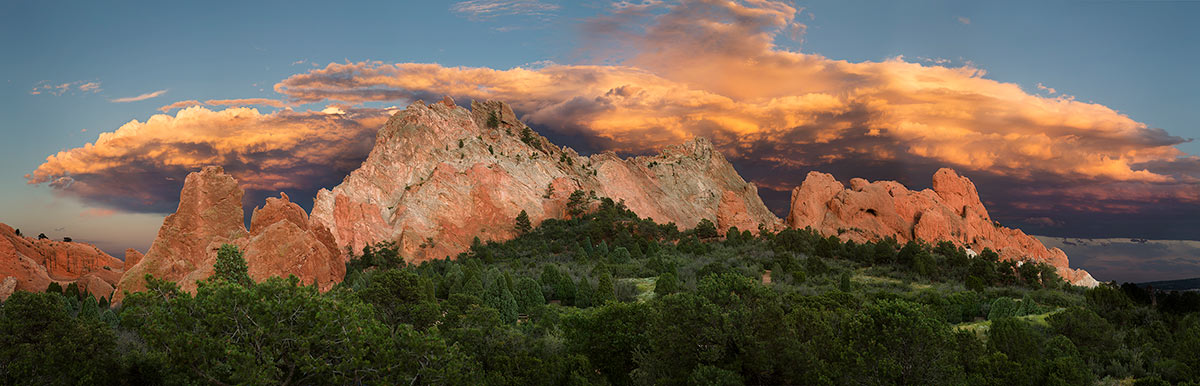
{"x":1074,"y":118}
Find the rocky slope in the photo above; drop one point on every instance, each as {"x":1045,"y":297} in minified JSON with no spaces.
{"x":950,"y":211}
{"x":440,"y":175}
{"x":281,"y":241}
{"x":31,"y":264}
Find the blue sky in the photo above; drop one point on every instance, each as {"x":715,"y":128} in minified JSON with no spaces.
{"x":1136,"y":57}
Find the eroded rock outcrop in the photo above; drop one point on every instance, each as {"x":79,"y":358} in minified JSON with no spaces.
{"x":282,"y":240}
{"x":441,"y":175}
{"x":950,"y":211}
{"x":32,"y":264}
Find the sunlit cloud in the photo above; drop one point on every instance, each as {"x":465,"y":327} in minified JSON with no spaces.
{"x":140,"y":166}
{"x":246,"y":102}
{"x":141,"y":97}
{"x":713,"y":69}
{"x":180,"y":105}
{"x":963,"y":20}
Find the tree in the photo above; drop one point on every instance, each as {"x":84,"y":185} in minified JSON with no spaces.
{"x":523,"y":225}
{"x":577,"y":204}
{"x":584,"y":293}
{"x":54,"y":288}
{"x":398,"y":297}
{"x":493,"y":120}
{"x":42,"y":236}
{"x":610,"y":337}
{"x":706,"y":229}
{"x":66,"y":239}
{"x":605,"y":290}
{"x":231,"y":266}
{"x":529,"y":295}
{"x":666,"y":284}
{"x":18,"y":231}
{"x":42,"y":344}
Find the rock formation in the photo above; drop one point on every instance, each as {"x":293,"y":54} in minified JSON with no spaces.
{"x":440,"y":175}
{"x":282,"y":240}
{"x":950,"y":211}
{"x":30,"y":264}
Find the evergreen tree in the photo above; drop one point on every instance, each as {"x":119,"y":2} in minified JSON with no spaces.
{"x":231,"y":266}
{"x":529,"y":295}
{"x":666,"y":284}
{"x":620,"y":255}
{"x":523,"y":225}
{"x":584,"y":293}
{"x":605,"y":290}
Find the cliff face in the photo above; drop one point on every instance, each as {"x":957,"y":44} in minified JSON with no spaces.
{"x":281,"y":242}
{"x":950,"y":211}
{"x":440,"y":175}
{"x":29,"y":264}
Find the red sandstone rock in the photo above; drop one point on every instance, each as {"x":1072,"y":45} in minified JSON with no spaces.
{"x":441,"y":175}
{"x":34,"y":263}
{"x":132,"y":257}
{"x":282,"y":240}
{"x":950,"y":211}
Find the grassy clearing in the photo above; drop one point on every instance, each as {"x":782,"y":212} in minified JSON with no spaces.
{"x":981,"y":328}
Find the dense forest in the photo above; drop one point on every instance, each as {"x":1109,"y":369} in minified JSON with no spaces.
{"x":606,"y":297}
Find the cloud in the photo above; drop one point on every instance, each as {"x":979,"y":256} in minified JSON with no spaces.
{"x":180,"y":105}
{"x":709,"y":68}
{"x":141,"y":97}
{"x":964,"y":20}
{"x":225,"y":102}
{"x":246,"y":102}
{"x":700,"y":68}
{"x":1043,"y":87}
{"x":140,"y":166}
{"x":487,"y":9}
{"x":57,"y":89}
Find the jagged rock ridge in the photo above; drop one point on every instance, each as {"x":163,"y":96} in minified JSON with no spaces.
{"x":441,"y":175}
{"x":281,"y":241}
{"x":31,"y":264}
{"x":950,"y":211}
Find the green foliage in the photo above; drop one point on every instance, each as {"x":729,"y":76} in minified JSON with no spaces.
{"x":493,"y":120}
{"x":523,"y":225}
{"x":607,"y":297}
{"x":231,"y":267}
{"x":666,"y":284}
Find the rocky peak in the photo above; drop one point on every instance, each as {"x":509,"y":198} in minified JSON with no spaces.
{"x":282,"y":240}
{"x":951,"y":211}
{"x":441,"y":175}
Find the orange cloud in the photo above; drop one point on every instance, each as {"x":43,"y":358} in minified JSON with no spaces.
{"x":180,"y":105}
{"x":710,"y":68}
{"x":246,"y":102}
{"x":140,"y":166}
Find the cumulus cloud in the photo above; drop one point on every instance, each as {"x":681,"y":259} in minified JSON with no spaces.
{"x":141,"y":97}
{"x":712,"y":68}
{"x":140,"y":166}
{"x":247,"y":102}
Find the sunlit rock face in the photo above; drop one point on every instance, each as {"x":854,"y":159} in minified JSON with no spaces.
{"x":441,"y":175}
{"x":950,"y":211}
{"x":281,"y":241}
{"x":30,"y":264}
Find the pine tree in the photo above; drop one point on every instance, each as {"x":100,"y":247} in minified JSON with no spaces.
{"x":231,"y":266}
{"x":523,"y":225}
{"x":584,"y":293}
{"x":529,"y":295}
{"x":605,"y":290}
